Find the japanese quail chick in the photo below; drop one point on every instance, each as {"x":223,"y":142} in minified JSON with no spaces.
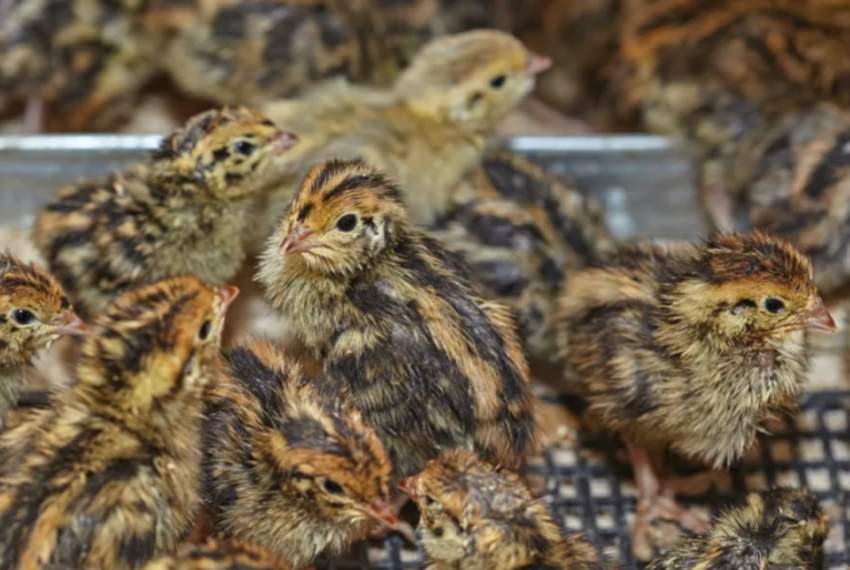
{"x":183,"y":212}
{"x":34,"y":312}
{"x":216,"y":555}
{"x":476,"y":517}
{"x":400,"y":330}
{"x":426,"y":132}
{"x":774,"y":530}
{"x":284,"y":467}
{"x":689,"y":348}
{"x":109,"y":476}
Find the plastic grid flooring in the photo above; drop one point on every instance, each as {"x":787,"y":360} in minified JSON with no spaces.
{"x":589,"y":488}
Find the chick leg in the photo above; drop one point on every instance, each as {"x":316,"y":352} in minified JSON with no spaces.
{"x":34,"y":115}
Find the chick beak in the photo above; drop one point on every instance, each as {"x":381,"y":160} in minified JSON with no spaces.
{"x":228,"y":294}
{"x":297,"y":240}
{"x":537,"y":64}
{"x":283,"y":141}
{"x":405,"y":486}
{"x":384,"y":514}
{"x":70,"y":324}
{"x":818,"y":318}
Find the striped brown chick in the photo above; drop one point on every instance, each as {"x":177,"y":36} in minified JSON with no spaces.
{"x":285,"y":468}
{"x":183,"y":212}
{"x":217,"y":555}
{"x":108,"y":477}
{"x":689,"y":349}
{"x":521,"y":230}
{"x":402,"y":332}
{"x":777,"y":529}
{"x":34,"y":313}
{"x":476,"y":517}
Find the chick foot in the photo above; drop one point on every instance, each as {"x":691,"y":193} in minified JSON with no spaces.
{"x":34,"y":115}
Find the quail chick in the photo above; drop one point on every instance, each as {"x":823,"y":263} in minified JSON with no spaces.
{"x":284,"y":467}
{"x":401,"y":332}
{"x":34,"y":312}
{"x":690,"y":349}
{"x":215,"y":555}
{"x":184,"y":212}
{"x":108,"y":477}
{"x":520,"y":230}
{"x":426,"y":132}
{"x":474,"y":516}
{"x":780,"y":529}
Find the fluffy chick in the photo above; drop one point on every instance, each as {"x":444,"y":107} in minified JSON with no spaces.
{"x":776,"y":529}
{"x":474,"y":516}
{"x":34,"y":312}
{"x":656,"y":333}
{"x":283,"y":467}
{"x":183,"y":212}
{"x":426,"y":132}
{"x":215,"y":555}
{"x":520,"y":230}
{"x":108,"y":477}
{"x":400,"y":330}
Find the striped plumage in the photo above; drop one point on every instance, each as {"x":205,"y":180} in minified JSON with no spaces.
{"x":108,"y":477}
{"x":184,"y":212}
{"x":217,"y":555}
{"x":477,"y":517}
{"x":401,"y":331}
{"x":34,"y":312}
{"x":779,"y":529}
{"x":286,"y":467}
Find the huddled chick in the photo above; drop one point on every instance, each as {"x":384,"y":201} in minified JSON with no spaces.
{"x":183,"y":212}
{"x":34,"y":313}
{"x":285,"y":468}
{"x":476,"y":517}
{"x":108,"y":477}
{"x":689,"y":348}
{"x":426,"y":132}
{"x":776,"y":529}
{"x":217,"y":555}
{"x":398,"y":327}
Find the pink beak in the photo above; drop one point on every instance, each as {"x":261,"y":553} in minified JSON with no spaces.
{"x":284,"y":141}
{"x":72,"y":325}
{"x":405,"y":486}
{"x":820,"y":319}
{"x":537,"y":64}
{"x":297,"y":240}
{"x":228,"y":294}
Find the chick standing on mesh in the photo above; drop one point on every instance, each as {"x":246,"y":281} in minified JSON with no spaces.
{"x":401,"y":332}
{"x":217,"y":555}
{"x":476,"y":517}
{"x":690,"y":349}
{"x":283,"y":467}
{"x":776,"y":529}
{"x":185,"y":212}
{"x":34,"y":312}
{"x":109,"y":476}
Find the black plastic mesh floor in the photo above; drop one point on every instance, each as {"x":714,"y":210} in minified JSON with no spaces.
{"x":589,"y":488}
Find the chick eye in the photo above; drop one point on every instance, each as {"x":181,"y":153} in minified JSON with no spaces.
{"x":498,"y":81}
{"x":332,"y":487}
{"x":429,"y":501}
{"x":774,"y":305}
{"x":204,"y":331}
{"x":245,"y":147}
{"x":24,"y":317}
{"x":346,"y":223}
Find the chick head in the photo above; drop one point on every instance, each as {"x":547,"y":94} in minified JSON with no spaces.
{"x":473,"y":79}
{"x":153,"y":345}
{"x":344,"y":215}
{"x":34,"y":311}
{"x":226,"y":152}
{"x":753,"y":286}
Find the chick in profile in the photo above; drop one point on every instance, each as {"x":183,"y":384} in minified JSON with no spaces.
{"x":689,"y":348}
{"x":400,"y":330}
{"x":108,"y":477}
{"x":34,"y":313}
{"x":426,"y":132}
{"x":217,"y":555}
{"x":183,"y":212}
{"x":476,"y":517}
{"x":774,"y":530}
{"x":284,"y":467}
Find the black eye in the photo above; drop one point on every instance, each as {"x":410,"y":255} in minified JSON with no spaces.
{"x":204,"y":331}
{"x":245,"y":147}
{"x":774,"y":305}
{"x":332,"y":487}
{"x":23,"y":316}
{"x":498,"y":81}
{"x":438,"y":532}
{"x":429,"y":501}
{"x":346,"y":223}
